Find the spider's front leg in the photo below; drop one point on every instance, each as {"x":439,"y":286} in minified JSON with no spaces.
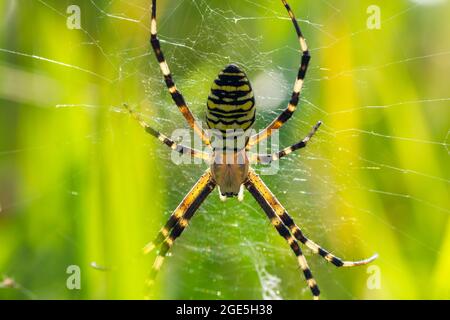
{"x":176,"y":95}
{"x":179,"y":220}
{"x":293,"y":103}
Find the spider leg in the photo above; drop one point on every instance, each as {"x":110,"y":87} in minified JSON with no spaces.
{"x":292,"y":106}
{"x":268,"y":158}
{"x":166,"y":140}
{"x":179,"y":220}
{"x":177,"y":97}
{"x":251,"y":185}
{"x":281,"y":212}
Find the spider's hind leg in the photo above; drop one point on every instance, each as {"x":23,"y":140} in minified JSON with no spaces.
{"x":178,"y":221}
{"x":278,"y":122}
{"x":338,"y":262}
{"x":261,"y":198}
{"x":295,"y":230}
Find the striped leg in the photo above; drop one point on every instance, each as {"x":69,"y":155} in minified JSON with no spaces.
{"x":295,"y":230}
{"x":179,"y":220}
{"x":268,"y":158}
{"x":166,"y":140}
{"x":174,"y":92}
{"x":292,"y":106}
{"x":285,"y":233}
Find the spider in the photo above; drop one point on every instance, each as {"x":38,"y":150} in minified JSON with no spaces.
{"x":231,"y":106}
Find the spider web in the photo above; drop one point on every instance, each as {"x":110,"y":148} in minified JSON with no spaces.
{"x":229,"y":243}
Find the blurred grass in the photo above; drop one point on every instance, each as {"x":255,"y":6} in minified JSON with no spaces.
{"x":84,"y":184}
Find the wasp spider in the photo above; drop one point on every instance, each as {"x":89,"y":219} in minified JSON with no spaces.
{"x":231,"y":106}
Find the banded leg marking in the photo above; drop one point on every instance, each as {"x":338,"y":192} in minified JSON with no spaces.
{"x":293,"y":103}
{"x":268,"y":158}
{"x":203,"y":183}
{"x":177,"y":97}
{"x":179,"y":220}
{"x":166,"y":140}
{"x":296,"y":231}
{"x":286,"y":234}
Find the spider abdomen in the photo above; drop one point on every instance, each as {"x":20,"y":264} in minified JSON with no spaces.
{"x":231,"y":103}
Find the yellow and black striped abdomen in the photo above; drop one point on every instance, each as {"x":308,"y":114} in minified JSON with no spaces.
{"x":231,"y":103}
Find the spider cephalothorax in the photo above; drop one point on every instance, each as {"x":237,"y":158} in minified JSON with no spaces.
{"x":230,"y":113}
{"x":229,"y":170}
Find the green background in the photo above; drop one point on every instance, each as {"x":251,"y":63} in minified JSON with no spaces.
{"x":82,"y":184}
